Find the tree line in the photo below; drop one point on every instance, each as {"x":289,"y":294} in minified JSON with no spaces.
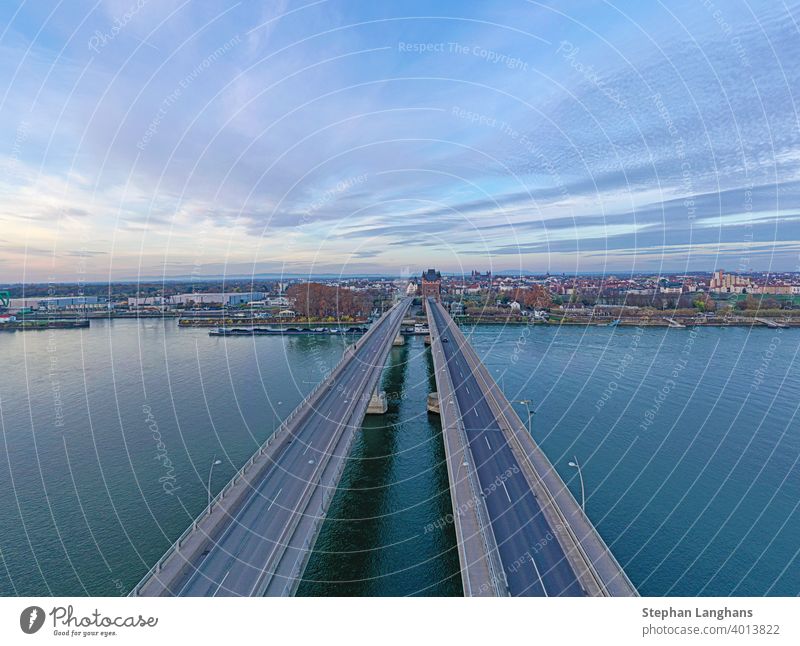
{"x":315,"y":300}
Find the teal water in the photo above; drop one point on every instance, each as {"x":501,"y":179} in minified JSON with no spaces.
{"x":695,"y":489}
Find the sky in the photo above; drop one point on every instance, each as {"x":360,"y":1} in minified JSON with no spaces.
{"x":144,"y":139}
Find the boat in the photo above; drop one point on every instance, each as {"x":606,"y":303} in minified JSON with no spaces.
{"x":292,"y":331}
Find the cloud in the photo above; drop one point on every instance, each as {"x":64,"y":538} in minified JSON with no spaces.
{"x":436,"y":151}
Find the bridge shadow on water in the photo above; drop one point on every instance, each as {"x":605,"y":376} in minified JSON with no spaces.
{"x":386,"y":534}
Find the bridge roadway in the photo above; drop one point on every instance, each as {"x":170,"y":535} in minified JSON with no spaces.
{"x":544,"y":543}
{"x":255,"y":539}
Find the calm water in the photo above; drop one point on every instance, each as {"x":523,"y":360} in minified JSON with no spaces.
{"x":689,"y":443}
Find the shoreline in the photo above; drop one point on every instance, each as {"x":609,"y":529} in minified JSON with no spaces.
{"x":645,"y":323}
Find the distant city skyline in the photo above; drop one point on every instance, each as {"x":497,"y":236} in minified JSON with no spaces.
{"x":147,"y":140}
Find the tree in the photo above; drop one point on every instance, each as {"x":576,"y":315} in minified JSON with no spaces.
{"x":314,"y":300}
{"x":704,"y":303}
{"x":536,"y":297}
{"x":748,"y":303}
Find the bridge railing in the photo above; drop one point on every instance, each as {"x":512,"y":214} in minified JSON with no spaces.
{"x":278,"y":434}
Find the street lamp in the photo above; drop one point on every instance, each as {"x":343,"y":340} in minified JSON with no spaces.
{"x":214,"y":462}
{"x":531,"y":413}
{"x":574,"y":464}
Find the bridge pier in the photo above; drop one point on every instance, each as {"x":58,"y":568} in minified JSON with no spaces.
{"x":433,"y":403}
{"x":427,"y":339}
{"x":377,"y":403}
{"x":399,"y":340}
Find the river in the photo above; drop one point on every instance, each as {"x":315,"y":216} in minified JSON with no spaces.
{"x":688,"y":441}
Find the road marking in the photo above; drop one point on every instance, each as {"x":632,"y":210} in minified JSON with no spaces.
{"x":308,"y":446}
{"x":540,"y":577}
{"x":272,"y":502}
{"x":503,"y":482}
{"x":475,"y":410}
{"x":487,"y":442}
{"x":220,"y":583}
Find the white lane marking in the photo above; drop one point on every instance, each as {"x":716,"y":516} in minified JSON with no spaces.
{"x":272,"y":502}
{"x":503,"y":482}
{"x":308,"y":446}
{"x":467,"y":390}
{"x":475,"y":410}
{"x":540,"y":577}
{"x":487,"y":442}
{"x":220,"y":583}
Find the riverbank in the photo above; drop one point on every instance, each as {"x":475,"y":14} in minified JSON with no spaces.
{"x":669,"y":322}
{"x":257,"y":322}
{"x":43,"y":324}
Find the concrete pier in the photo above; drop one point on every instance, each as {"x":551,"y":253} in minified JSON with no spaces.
{"x":377,"y":403}
{"x":433,"y":403}
{"x":399,"y":340}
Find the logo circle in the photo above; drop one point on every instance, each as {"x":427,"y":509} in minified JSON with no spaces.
{"x":31,"y":619}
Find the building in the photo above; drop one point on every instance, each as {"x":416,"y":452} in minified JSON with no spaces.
{"x":147,"y":301}
{"x":667,"y":287}
{"x":777,"y":290}
{"x":729,"y":283}
{"x":72,"y":303}
{"x":456,"y":309}
{"x":431,"y":286}
{"x":279,"y":301}
{"x":230,"y":299}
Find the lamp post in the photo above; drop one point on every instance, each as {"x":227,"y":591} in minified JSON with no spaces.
{"x":575,"y":465}
{"x":530,"y":411}
{"x":214,"y":462}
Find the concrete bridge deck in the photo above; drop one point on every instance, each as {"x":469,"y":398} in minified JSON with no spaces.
{"x":481,"y":569}
{"x":530,"y":526}
{"x":257,"y":535}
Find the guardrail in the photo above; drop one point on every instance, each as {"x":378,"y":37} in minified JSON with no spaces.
{"x":305,"y":406}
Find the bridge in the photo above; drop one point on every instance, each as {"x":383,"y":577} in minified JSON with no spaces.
{"x":256,"y":536}
{"x":520,"y":531}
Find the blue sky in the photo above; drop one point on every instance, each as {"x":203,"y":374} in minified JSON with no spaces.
{"x":144,"y":138}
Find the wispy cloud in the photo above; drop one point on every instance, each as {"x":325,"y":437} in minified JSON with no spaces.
{"x":507,"y":135}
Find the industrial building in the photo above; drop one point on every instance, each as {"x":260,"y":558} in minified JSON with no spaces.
{"x":228,"y":299}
